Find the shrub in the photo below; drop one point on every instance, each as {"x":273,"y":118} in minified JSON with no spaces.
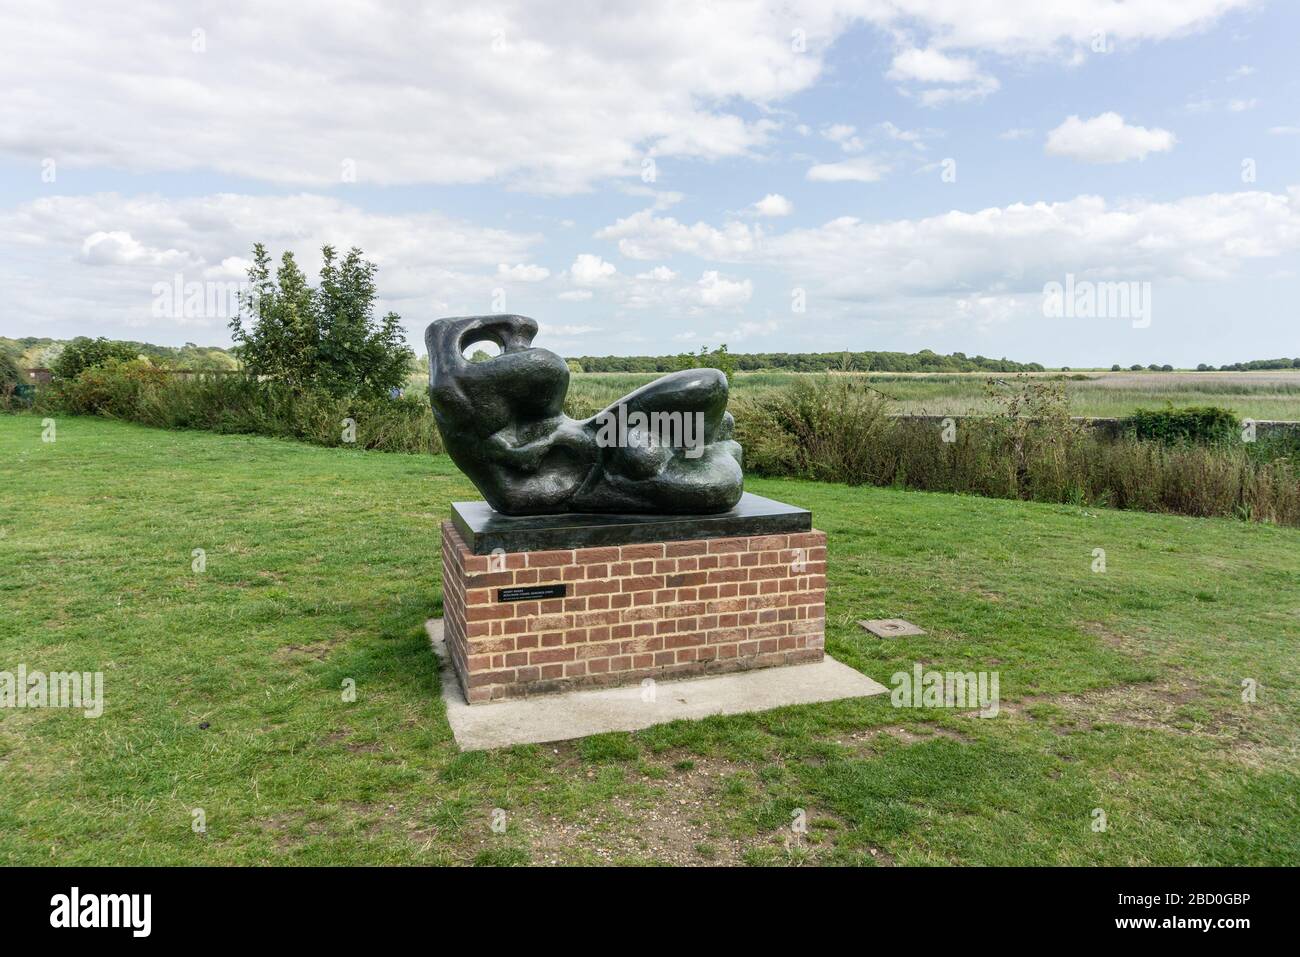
{"x":1032,"y":450}
{"x":10,"y":374}
{"x":826,"y":429}
{"x":84,"y":353}
{"x":1203,"y":424}
{"x":113,"y":388}
{"x":142,"y":393}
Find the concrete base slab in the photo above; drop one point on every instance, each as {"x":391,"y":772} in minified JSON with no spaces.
{"x":890,"y":627}
{"x":576,"y":714}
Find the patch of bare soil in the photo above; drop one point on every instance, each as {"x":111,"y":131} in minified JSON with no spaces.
{"x":674,"y":821}
{"x":1238,"y":732}
{"x":314,"y":651}
{"x":868,"y":736}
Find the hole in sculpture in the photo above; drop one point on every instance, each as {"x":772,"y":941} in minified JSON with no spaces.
{"x":481,"y":351}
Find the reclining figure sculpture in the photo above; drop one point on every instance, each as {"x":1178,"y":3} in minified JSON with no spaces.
{"x":664,"y":448}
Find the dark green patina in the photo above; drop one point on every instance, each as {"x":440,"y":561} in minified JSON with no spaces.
{"x":503,"y":423}
{"x":485,"y":531}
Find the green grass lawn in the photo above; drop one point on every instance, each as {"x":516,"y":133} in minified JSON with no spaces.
{"x":1120,"y":691}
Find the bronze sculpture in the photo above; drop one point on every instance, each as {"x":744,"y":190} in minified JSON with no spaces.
{"x":664,"y":448}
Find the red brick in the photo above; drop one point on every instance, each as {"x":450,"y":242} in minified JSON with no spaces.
{"x":690,"y":578}
{"x":718,"y":545}
{"x":548,"y":559}
{"x":642,"y":583}
{"x":632,"y":552}
{"x":676,"y":549}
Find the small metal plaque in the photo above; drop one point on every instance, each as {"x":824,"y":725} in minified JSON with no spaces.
{"x":532,"y":592}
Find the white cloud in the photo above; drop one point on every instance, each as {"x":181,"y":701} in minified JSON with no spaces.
{"x":774,"y":204}
{"x":862,"y":169}
{"x":715,"y":290}
{"x":503,"y":90}
{"x":914,"y":137}
{"x":961,"y":76}
{"x":711,"y":293}
{"x":658,"y":274}
{"x":544,"y":97}
{"x":590,"y":270}
{"x":1016,"y":248}
{"x":1021,"y":246}
{"x":575,"y":295}
{"x":549,"y":329}
{"x":120,"y":248}
{"x":88,"y":264}
{"x":746,"y":330}
{"x":1106,"y":139}
{"x":522,"y":273}
{"x":845,"y":136}
{"x":1018,"y":133}
{"x":1209,"y":104}
{"x":932,"y":66}
{"x":1043,"y":27}
{"x":663,"y":198}
{"x":646,"y":236}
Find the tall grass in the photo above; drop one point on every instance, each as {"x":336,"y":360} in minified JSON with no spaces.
{"x":239,"y":404}
{"x":833,"y":428}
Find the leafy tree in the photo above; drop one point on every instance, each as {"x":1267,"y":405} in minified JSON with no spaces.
{"x":10,"y":374}
{"x":358,"y":354}
{"x":1115,"y":367}
{"x":718,"y":358}
{"x":85,"y":353}
{"x":324,"y":338}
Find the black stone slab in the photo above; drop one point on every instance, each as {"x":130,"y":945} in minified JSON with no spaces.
{"x":485,"y":530}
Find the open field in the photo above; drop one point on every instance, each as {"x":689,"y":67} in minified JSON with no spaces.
{"x":1120,"y":691}
{"x":1257,"y":395}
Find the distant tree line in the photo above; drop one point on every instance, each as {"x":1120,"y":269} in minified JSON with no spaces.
{"x":1254,"y":365}
{"x":38,"y":352}
{"x":923,"y":361}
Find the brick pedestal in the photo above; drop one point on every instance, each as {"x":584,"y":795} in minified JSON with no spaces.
{"x":661,"y":610}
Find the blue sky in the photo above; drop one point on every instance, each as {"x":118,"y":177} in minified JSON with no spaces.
{"x":914,"y":173}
